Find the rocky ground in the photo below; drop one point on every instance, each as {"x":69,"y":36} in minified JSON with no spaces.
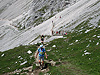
{"x":29,"y":70}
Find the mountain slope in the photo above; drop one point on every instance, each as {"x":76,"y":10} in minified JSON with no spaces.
{"x":75,"y":54}
{"x":16,"y":7}
{"x":70,"y":18}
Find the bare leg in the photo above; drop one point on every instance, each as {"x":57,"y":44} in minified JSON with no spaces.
{"x":40,"y":62}
{"x":42,"y":42}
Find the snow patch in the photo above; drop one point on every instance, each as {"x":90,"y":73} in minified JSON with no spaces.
{"x":85,"y":50}
{"x":97,"y":43}
{"x":90,"y":41}
{"x":85,"y":53}
{"x":64,"y":37}
{"x":76,"y":41}
{"x":29,"y":52}
{"x":54,"y":46}
{"x":87,"y":31}
{"x":98,"y":36}
{"x":88,"y":45}
{"x":35,"y":43}
{"x":71,"y":44}
{"x":94,"y":35}
{"x":2,"y":55}
{"x":23,"y":63}
{"x":19,"y":56}
{"x":8,"y":67}
{"x":16,"y":62}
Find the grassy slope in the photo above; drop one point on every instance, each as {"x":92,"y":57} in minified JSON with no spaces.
{"x":11,"y":60}
{"x":72,"y":58}
{"x":68,"y":54}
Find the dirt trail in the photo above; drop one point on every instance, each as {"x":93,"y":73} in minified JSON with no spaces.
{"x":46,"y":65}
{"x":46,"y":69}
{"x":37,"y":70}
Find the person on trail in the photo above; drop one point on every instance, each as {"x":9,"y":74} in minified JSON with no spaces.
{"x":52,"y":21}
{"x":56,"y":32}
{"x":52,"y":32}
{"x":41,"y":52}
{"x":60,"y":16}
{"x":59,"y":32}
{"x":42,"y":39}
{"x":65,"y":33}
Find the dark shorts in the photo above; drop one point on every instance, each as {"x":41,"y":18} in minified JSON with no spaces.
{"x":42,"y":39}
{"x":41,"y":58}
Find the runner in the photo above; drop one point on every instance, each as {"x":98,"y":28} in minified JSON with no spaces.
{"x":42,"y":39}
{"x":41,"y":52}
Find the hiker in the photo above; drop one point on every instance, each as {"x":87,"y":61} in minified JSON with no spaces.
{"x":42,"y":39}
{"x":41,"y":52}
{"x":59,"y":32}
{"x":60,"y":16}
{"x":52,"y":21}
{"x":65,"y":33}
{"x":52,"y":31}
{"x":56,"y":32}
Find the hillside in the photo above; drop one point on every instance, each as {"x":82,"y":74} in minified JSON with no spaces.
{"x":70,"y":17}
{"x":76,"y":53}
{"x":19,"y":20}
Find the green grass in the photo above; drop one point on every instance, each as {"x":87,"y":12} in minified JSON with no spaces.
{"x":73,"y":54}
{"x":99,"y":22}
{"x":38,"y":21}
{"x":11,"y":60}
{"x":43,"y":9}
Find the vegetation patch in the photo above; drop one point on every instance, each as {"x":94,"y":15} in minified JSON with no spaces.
{"x":43,"y":9}
{"x":81,"y":51}
{"x":16,"y":58}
